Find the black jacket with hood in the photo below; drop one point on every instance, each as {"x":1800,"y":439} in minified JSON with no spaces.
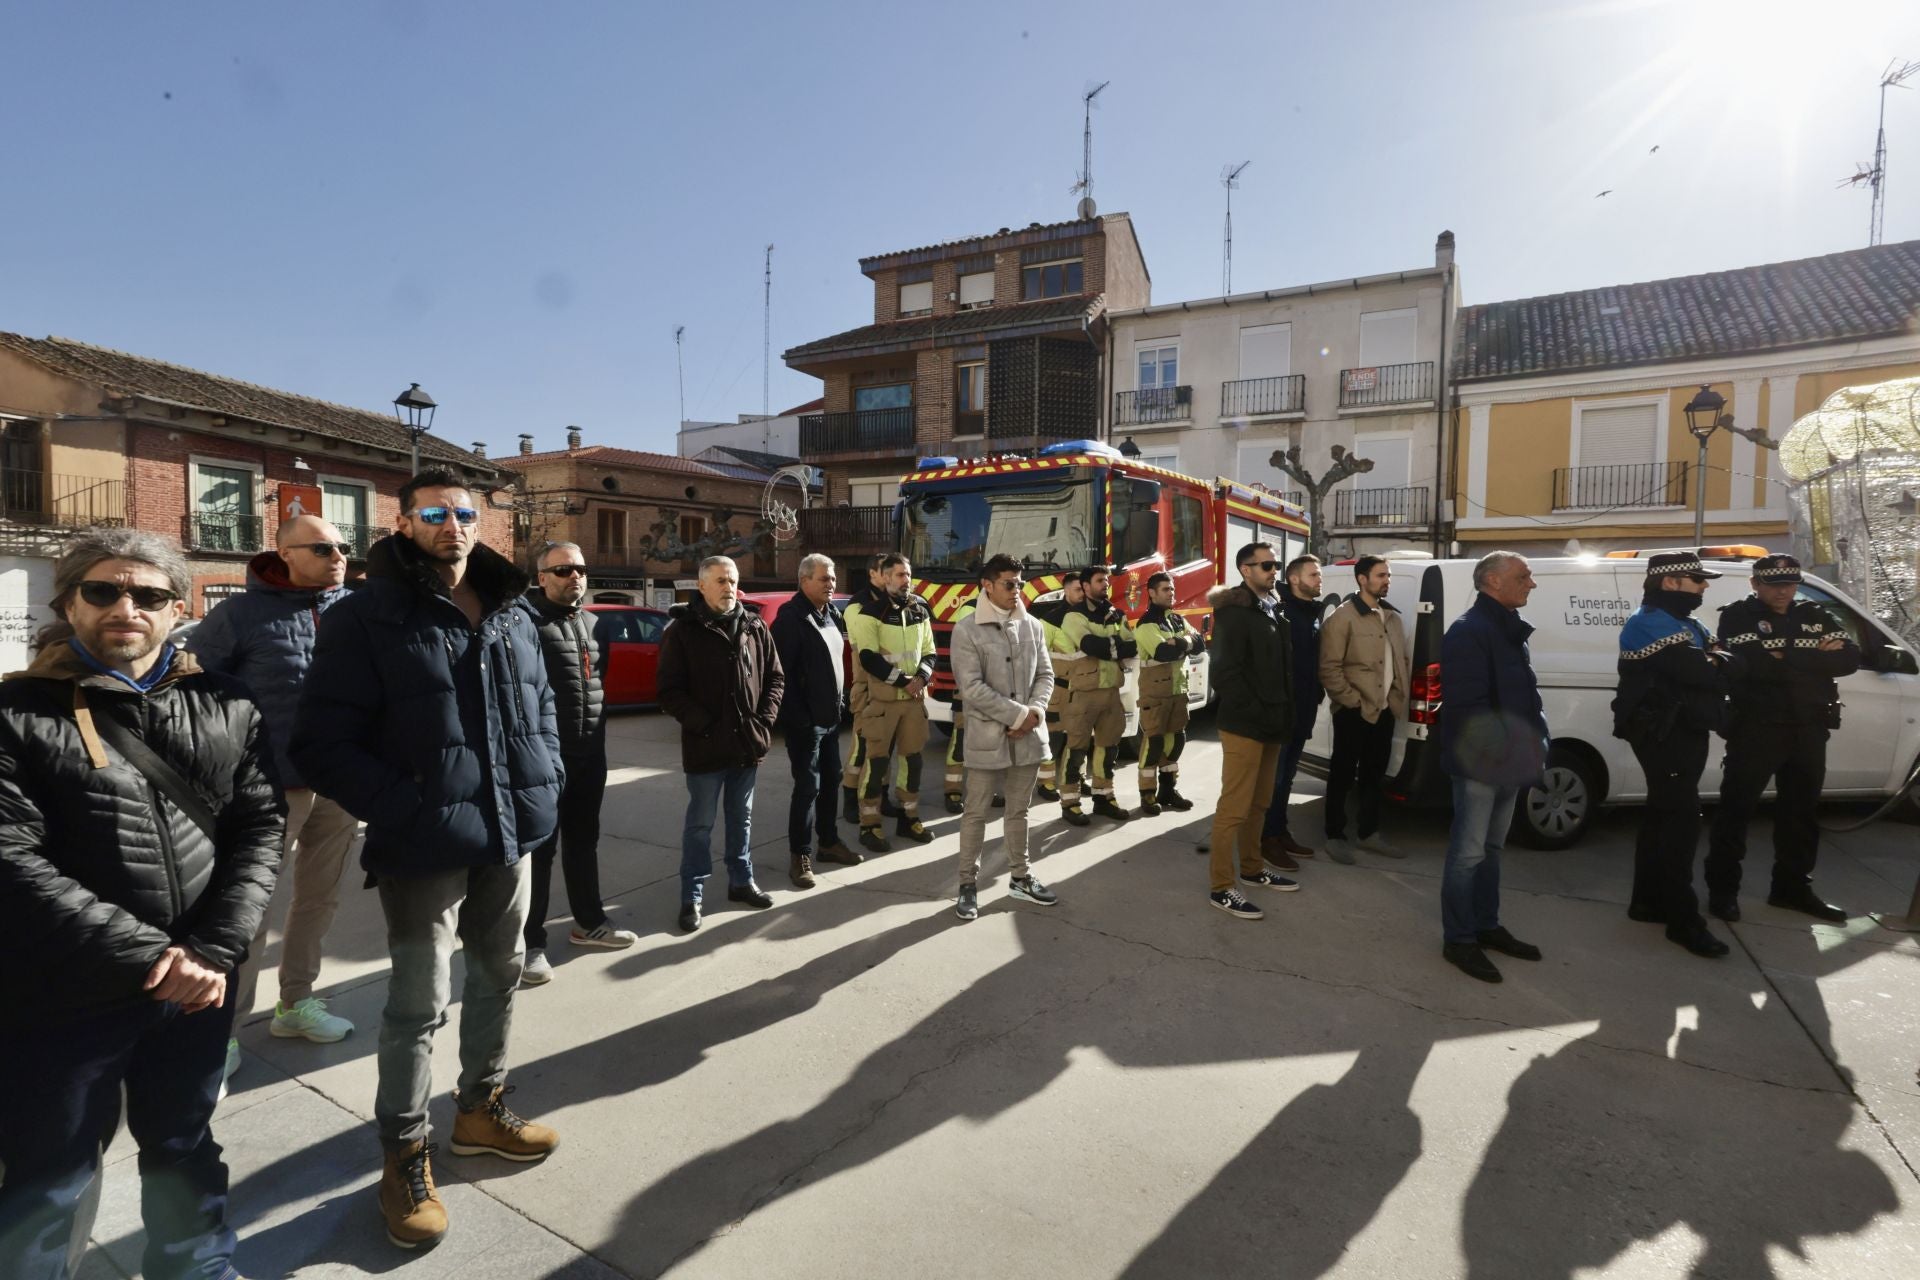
{"x":574,"y":663}
{"x":99,"y":872}
{"x":1251,"y":664}
{"x":720,"y":678}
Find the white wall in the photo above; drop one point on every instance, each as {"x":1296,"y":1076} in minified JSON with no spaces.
{"x":26,"y":584}
{"x":767,"y":435}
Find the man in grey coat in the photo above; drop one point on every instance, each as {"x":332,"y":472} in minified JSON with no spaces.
{"x":1004,"y":678}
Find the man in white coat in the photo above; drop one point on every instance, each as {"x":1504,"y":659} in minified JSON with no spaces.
{"x":1004,"y":677}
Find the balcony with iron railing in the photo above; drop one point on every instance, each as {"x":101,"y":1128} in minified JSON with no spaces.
{"x":1378,"y":386}
{"x":228,"y":531}
{"x":1155,"y":404}
{"x":1626,"y":484}
{"x":1264,"y":397}
{"x":1373,"y":508}
{"x":847,"y":528}
{"x":862,"y":431}
{"x":361,"y":538}
{"x":70,"y":502}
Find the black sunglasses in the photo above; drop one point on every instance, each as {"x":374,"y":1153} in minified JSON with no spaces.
{"x":1268,"y":565}
{"x":566,"y":570}
{"x":326,"y":549}
{"x":104,"y":595}
{"x":438,"y":515}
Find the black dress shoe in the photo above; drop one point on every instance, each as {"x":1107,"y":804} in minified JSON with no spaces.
{"x":689,"y":916}
{"x":1807,"y":902}
{"x":1724,"y":906}
{"x":1471,"y":960}
{"x":1700,"y":941}
{"x":1508,"y":945}
{"x":750,"y":894}
{"x":1645,"y":913}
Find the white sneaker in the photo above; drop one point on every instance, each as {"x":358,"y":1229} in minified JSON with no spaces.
{"x":537,"y":971}
{"x":1377,"y":843}
{"x":603,"y":935}
{"x":233,"y":1065}
{"x":308,"y":1020}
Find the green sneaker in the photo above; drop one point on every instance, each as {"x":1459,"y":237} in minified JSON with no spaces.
{"x":308,"y":1020}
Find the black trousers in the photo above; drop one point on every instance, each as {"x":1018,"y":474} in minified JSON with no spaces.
{"x":1794,"y":759}
{"x":1360,"y":755}
{"x":577,"y":841}
{"x":1670,"y":827}
{"x":814,"y":753}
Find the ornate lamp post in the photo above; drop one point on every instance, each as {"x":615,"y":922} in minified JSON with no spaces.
{"x":413,"y":408}
{"x":1703,"y":415}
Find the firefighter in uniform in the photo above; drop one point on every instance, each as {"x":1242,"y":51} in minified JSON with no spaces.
{"x":1096,"y":634}
{"x":1672,"y":698}
{"x":893,"y":648}
{"x":862,"y":597}
{"x":1051,"y":614}
{"x":1166,"y":642}
{"x":1784,"y":705}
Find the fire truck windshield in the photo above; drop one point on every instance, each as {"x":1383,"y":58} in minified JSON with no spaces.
{"x":946,"y":532}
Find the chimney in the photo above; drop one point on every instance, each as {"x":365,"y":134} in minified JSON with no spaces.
{"x":573,"y":438}
{"x":480,"y":448}
{"x":1443,"y":250}
{"x":526,"y":443}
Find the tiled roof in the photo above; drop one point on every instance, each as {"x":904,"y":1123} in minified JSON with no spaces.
{"x":611,"y":456}
{"x":118,"y":373}
{"x":814,"y":405}
{"x":1841,"y":297}
{"x":766,"y":462}
{"x":947,"y":330}
{"x":1085,"y":226}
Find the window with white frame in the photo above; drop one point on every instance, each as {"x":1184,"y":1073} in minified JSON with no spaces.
{"x":916,"y":299}
{"x":881,"y":491}
{"x":1388,"y":337}
{"x":976,"y":290}
{"x":348,"y":507}
{"x":1253,"y":464}
{"x":223,"y":511}
{"x":970,"y":398}
{"x":1266,"y":351}
{"x":1168,"y":458}
{"x":1381,"y":493}
{"x":1159,"y":363}
{"x":1617,"y":454}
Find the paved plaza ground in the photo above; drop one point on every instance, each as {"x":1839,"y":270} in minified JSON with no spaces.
{"x":856,"y":1084}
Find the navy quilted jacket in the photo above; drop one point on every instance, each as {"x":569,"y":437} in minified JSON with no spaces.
{"x":440,"y":736}
{"x":264,"y":638}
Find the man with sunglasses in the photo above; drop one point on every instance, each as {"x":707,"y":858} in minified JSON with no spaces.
{"x":264,"y":639}
{"x":427,"y":713}
{"x":139,"y":834}
{"x":573,"y":669}
{"x":1367,"y":672}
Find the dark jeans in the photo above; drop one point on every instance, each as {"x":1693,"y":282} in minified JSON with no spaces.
{"x":1794,"y":759}
{"x":1670,"y":827}
{"x":577,"y":839}
{"x":62,"y":1080}
{"x":1276,"y":824}
{"x":814,"y":753}
{"x":1360,"y":754}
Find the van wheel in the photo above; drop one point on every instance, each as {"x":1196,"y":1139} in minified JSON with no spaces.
{"x":1556,"y":816}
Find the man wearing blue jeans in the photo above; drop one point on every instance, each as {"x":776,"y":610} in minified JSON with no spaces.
{"x":1493,"y":736}
{"x":720,"y":678}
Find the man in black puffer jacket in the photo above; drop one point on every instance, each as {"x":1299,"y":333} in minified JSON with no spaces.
{"x":574,"y":663}
{"x":123,"y":910}
{"x":428,"y":715}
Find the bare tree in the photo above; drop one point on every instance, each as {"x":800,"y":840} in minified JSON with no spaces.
{"x":1344,"y":465}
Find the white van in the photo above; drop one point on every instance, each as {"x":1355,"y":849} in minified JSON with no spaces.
{"x":1577,"y":610}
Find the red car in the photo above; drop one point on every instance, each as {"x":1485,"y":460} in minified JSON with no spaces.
{"x":629,"y":638}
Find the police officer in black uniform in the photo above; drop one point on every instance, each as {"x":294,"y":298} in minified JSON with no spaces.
{"x":1784,"y":704}
{"x":1672,"y":698}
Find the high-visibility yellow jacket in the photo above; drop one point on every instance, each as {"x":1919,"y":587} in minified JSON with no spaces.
{"x":1101,"y":639}
{"x":892,"y":644}
{"x":1051,"y":615}
{"x":1166,"y":642}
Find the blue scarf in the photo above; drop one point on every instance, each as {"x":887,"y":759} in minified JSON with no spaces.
{"x":155,"y":674}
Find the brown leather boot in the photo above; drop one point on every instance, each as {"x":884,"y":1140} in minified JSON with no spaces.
{"x":800,"y":871}
{"x":1274,"y":851}
{"x":409,"y":1201}
{"x":1295,"y":848}
{"x":491,"y":1129}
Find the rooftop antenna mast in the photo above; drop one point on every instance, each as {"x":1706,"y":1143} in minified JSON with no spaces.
{"x":766,"y":344}
{"x":680,"y":366}
{"x":1230,"y":179}
{"x":1085,"y":185}
{"x":1874,"y":175}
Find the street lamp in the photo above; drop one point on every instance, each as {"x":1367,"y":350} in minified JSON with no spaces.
{"x":413,"y":409}
{"x":1703,"y":415}
{"x":1128,"y":449}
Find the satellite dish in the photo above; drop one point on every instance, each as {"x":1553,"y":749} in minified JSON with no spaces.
{"x":1086,"y":208}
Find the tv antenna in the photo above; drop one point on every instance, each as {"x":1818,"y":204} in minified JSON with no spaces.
{"x":1085,"y":185}
{"x":680,"y":366}
{"x":1230,"y":179}
{"x":1874,"y":175}
{"x":766,"y":344}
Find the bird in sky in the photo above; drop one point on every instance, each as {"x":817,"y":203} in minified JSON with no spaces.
{"x":1656,"y":147}
{"x":1607,"y":192}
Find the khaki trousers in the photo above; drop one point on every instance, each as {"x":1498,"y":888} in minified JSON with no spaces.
{"x":319,"y":834}
{"x":1016,"y":784}
{"x":1247,"y":767}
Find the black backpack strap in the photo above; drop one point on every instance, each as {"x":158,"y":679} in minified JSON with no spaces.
{"x":157,"y":771}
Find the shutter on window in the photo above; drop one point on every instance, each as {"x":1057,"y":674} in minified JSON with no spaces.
{"x":1616,"y":436}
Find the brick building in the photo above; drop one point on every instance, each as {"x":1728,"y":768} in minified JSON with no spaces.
{"x":991,"y":344}
{"x":645,"y":520}
{"x":92,"y":437}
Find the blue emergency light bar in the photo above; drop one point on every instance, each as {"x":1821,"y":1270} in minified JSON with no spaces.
{"x":936,"y":464}
{"x":1095,"y":447}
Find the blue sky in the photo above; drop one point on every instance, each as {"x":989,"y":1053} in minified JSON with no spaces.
{"x":514,"y":204}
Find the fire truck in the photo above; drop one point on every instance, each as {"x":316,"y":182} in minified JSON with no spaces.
{"x":1072,"y":504}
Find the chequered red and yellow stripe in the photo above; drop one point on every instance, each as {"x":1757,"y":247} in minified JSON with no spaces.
{"x":1002,"y":468}
{"x":945,"y":599}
